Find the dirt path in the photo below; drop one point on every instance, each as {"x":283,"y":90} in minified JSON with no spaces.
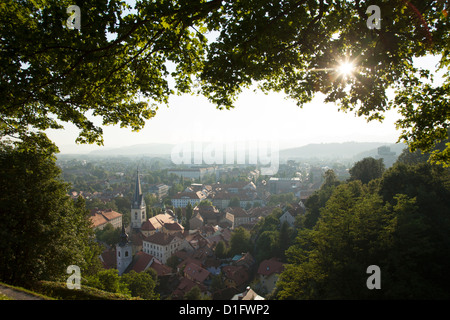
{"x":17,"y":295}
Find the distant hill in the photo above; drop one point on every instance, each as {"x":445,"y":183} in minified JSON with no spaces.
{"x":345,"y":150}
{"x":154,"y":149}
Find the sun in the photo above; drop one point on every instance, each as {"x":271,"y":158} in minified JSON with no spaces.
{"x":346,"y":68}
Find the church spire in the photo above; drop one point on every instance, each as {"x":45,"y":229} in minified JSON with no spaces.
{"x":138,"y":207}
{"x":137,"y":190}
{"x":138,"y":199}
{"x":123,"y":237}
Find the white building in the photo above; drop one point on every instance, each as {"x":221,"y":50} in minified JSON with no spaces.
{"x":287,"y":217}
{"x":162,"y":245}
{"x":181,"y":199}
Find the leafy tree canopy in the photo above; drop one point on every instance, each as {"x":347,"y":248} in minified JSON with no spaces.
{"x":367,"y":169}
{"x":142,"y":284}
{"x":234,"y":202}
{"x":42,"y":230}
{"x":240,"y":241}
{"x":220,"y":250}
{"x":318,"y":199}
{"x":51,"y":74}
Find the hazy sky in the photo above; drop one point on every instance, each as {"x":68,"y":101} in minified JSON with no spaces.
{"x":256,"y":117}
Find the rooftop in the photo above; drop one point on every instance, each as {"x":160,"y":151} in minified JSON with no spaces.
{"x":196,"y":272}
{"x":160,"y":238}
{"x":189,"y":195}
{"x":99,"y":217}
{"x":143,"y":261}
{"x":268,"y":267}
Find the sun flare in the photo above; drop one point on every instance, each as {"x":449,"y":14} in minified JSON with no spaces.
{"x":346,"y":68}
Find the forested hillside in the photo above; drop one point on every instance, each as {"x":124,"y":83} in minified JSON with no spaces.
{"x":399,"y":222}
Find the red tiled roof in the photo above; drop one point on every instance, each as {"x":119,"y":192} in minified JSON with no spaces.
{"x":184,"y":286}
{"x":147,"y":226}
{"x":238,"y":274}
{"x":136,"y":238}
{"x":175,"y":226}
{"x":223,"y":195}
{"x":195,"y":272}
{"x":182,"y":254}
{"x":236,"y":184}
{"x":108,"y":258}
{"x":111,"y":214}
{"x":204,"y":209}
{"x":260,"y":211}
{"x":237,"y":211}
{"x":160,"y":238}
{"x":202,"y":253}
{"x":97,"y":220}
{"x":161,"y":269}
{"x":143,"y":261}
{"x":268,"y":267}
{"x":246,"y":260}
{"x":187,"y":261}
{"x":224,"y":235}
{"x":101,"y":217}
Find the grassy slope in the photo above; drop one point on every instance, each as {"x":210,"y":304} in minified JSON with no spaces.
{"x":49,"y":290}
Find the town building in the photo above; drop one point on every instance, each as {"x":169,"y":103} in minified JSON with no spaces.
{"x":235,"y":276}
{"x":196,"y":222}
{"x":389,"y":157}
{"x":209,"y":214}
{"x":283,"y":185}
{"x":181,"y":199}
{"x":143,"y":261}
{"x":160,"y":190}
{"x":192,"y":173}
{"x":288,"y":218}
{"x":163,"y":245}
{"x":244,"y":191}
{"x":248,"y":294}
{"x":184,"y":286}
{"x":268,"y":273}
{"x":164,"y":222}
{"x":196,"y":273}
{"x":100,"y":218}
{"x":237,"y":216}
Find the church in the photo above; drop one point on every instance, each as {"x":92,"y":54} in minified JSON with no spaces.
{"x":154,"y":239}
